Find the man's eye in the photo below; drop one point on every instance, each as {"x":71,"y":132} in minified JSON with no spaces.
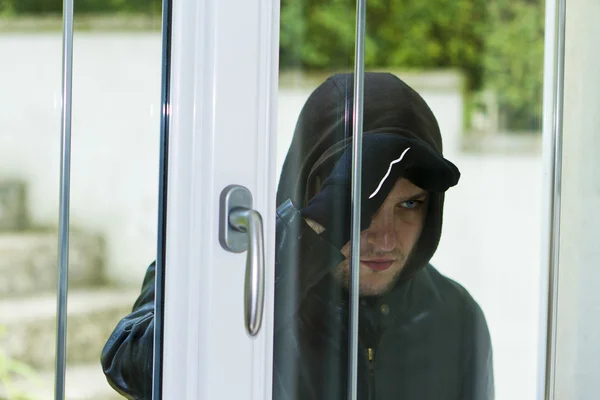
{"x":410,"y":204}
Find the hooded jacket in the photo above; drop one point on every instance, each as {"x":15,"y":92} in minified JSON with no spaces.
{"x":426,"y":339}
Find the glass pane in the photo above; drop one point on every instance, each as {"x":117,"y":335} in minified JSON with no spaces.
{"x":578,"y":326}
{"x":30,"y":74}
{"x":313,"y":199}
{"x":114,"y":194}
{"x":453,"y":312}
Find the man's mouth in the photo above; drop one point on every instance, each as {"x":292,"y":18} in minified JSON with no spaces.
{"x":378,"y":264}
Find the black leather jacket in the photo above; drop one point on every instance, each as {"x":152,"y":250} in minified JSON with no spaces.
{"x":427,"y":339}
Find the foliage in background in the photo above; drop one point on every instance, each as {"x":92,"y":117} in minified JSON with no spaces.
{"x":410,"y":34}
{"x":12,"y":371}
{"x":497,"y":44}
{"x":514,"y":58}
{"x":80,"y":6}
{"x":6,"y":8}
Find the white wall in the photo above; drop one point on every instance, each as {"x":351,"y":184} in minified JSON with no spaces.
{"x":116,"y":97}
{"x":578,"y":347}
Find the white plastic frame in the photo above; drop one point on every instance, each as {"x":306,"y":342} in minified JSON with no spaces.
{"x":224,"y":75}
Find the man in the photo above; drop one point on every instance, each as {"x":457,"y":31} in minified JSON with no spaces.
{"x":421,"y":335}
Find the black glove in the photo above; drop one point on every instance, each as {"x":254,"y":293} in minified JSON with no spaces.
{"x":385,"y":158}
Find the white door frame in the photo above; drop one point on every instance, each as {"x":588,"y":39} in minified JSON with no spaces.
{"x":224,"y":78}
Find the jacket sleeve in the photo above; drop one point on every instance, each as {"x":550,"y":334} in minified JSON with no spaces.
{"x":302,"y":259}
{"x":127,"y":356}
{"x":478,"y":381}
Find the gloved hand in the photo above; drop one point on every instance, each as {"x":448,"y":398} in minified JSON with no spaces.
{"x":385,"y":158}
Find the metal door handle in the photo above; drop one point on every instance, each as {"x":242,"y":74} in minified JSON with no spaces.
{"x":241,"y":229}
{"x":250,"y":221}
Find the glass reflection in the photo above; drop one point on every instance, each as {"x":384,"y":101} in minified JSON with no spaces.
{"x":416,"y":326}
{"x":485,"y":93}
{"x":116,"y":120}
{"x":481,"y":74}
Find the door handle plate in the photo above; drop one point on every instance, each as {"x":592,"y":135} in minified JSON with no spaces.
{"x":232,"y":197}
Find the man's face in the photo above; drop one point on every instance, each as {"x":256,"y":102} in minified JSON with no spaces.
{"x":386,"y":244}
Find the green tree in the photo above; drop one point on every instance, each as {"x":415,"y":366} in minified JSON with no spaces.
{"x":514,"y":59}
{"x":319,"y":34}
{"x":429,"y":34}
{"x":82,"y":6}
{"x":497,"y":44}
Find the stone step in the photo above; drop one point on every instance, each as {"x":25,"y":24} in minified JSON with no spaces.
{"x":29,"y":325}
{"x":82,"y":382}
{"x":29,"y":260}
{"x":13,"y":202}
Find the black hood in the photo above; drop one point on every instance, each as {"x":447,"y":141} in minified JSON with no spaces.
{"x":324,"y":130}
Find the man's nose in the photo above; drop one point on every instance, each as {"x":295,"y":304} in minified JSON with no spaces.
{"x":381,"y":233}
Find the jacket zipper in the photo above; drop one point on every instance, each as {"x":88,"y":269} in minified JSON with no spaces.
{"x":371,"y":359}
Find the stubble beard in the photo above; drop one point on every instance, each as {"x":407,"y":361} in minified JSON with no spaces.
{"x":342,"y":275}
